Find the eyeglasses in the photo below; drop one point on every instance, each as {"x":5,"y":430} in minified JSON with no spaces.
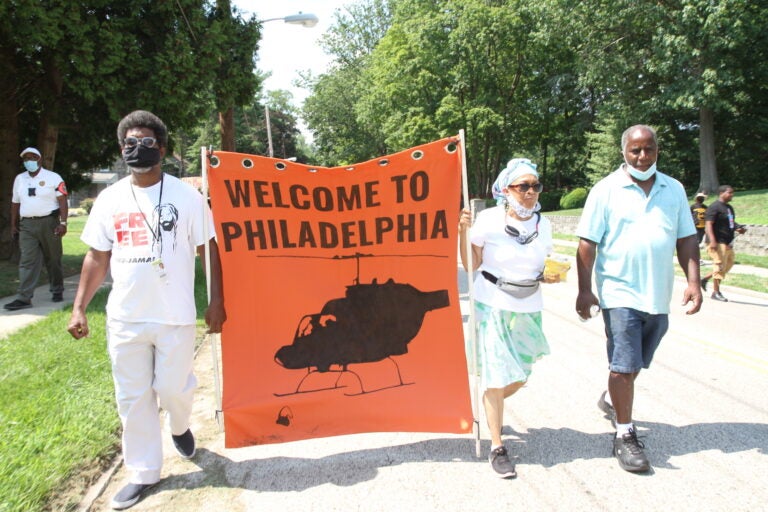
{"x":514,"y":233}
{"x":525,"y":187}
{"x":147,"y":142}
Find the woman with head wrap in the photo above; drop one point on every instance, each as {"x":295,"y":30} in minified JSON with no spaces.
{"x":509,"y":245}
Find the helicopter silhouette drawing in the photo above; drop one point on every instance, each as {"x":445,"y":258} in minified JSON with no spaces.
{"x":372,"y":322}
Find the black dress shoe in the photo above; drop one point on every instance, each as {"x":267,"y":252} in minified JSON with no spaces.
{"x":704,"y":282}
{"x":57,"y":297}
{"x":17,"y":304}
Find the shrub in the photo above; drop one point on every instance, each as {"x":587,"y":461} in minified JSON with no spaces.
{"x":574,"y":199}
{"x":86,"y":204}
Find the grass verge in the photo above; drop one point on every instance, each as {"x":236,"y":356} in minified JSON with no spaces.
{"x":57,"y":416}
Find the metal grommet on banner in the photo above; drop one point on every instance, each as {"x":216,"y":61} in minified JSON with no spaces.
{"x":247,"y":163}
{"x":312,"y":170}
{"x":417,"y":155}
{"x":451,"y":147}
{"x":280,"y":166}
{"x":214,"y":160}
{"x":383,"y":162}
{"x":349,"y":168}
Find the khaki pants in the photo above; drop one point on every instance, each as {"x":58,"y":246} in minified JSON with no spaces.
{"x":722,"y":260}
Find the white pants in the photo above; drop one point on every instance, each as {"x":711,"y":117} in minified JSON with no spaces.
{"x":150,"y":362}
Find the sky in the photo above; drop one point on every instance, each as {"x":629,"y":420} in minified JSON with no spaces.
{"x":286,"y":49}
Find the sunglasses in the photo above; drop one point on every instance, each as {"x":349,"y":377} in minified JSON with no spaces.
{"x":514,"y":233}
{"x":147,"y":142}
{"x":525,"y":187}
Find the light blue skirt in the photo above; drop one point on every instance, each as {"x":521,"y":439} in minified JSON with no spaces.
{"x":508,"y":344}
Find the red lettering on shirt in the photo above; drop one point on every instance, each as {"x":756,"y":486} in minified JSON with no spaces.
{"x":130,"y":230}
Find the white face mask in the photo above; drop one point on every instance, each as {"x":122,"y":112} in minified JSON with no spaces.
{"x":30,"y":165}
{"x":638,"y":174}
{"x":521,"y":210}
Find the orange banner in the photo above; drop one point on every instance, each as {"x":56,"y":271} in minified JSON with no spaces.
{"x":342,"y":298}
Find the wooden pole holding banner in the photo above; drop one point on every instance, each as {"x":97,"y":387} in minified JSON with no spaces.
{"x":212,"y":337}
{"x":470,"y":286}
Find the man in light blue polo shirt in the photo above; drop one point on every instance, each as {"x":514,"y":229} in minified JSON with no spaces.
{"x":633,"y":221}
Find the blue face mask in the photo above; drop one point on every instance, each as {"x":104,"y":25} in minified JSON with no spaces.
{"x":30,"y":165}
{"x":640,"y":175}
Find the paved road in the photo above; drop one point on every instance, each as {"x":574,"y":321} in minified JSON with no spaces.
{"x":702,"y":407}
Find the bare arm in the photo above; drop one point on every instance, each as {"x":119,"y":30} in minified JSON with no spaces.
{"x":709,"y":229}
{"x":477,"y":252}
{"x":61,"y":229}
{"x":585,"y":262}
{"x":688,"y":258}
{"x":15,"y":208}
{"x":95,"y":266}
{"x":215,"y":314}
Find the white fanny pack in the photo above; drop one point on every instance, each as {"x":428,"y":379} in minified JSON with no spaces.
{"x":517,"y":289}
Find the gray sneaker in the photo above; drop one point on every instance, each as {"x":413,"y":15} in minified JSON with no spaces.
{"x":129,"y":496}
{"x":501,"y":464}
{"x":628,"y":450}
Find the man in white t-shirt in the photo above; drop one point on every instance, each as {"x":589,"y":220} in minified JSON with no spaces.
{"x":39,"y":220}
{"x":145,"y":229}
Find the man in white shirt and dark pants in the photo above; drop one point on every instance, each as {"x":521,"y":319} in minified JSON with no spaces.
{"x":39,"y":220}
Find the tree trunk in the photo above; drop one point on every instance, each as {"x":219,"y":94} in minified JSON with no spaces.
{"x":227,"y":126}
{"x":9,"y":147}
{"x":48,"y":135}
{"x":709,"y":180}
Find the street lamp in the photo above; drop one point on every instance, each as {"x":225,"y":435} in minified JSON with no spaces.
{"x":305,"y":20}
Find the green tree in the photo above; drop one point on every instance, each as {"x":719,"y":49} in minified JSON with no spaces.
{"x":71,"y":70}
{"x":340,"y":134}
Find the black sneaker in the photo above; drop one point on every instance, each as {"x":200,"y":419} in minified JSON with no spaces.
{"x":185,"y":444}
{"x":629,"y":452}
{"x":17,"y":304}
{"x":704,"y":282}
{"x":607,"y":408}
{"x":129,"y":495}
{"x":57,"y":297}
{"x":719,"y":297}
{"x":501,"y":464}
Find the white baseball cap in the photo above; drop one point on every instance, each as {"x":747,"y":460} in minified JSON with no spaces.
{"x":32,"y":150}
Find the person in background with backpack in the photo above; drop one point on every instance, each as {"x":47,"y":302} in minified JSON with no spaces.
{"x":698,"y":209}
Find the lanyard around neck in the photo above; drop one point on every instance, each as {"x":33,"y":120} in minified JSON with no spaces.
{"x":155,"y":234}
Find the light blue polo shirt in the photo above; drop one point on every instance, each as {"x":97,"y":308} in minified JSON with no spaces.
{"x":636,"y":236}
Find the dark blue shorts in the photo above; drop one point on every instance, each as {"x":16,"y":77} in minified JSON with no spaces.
{"x":633,"y":337}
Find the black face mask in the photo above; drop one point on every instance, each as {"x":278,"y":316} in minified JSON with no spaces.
{"x":141,"y":156}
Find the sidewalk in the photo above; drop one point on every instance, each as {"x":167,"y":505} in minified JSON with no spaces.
{"x":11,"y":321}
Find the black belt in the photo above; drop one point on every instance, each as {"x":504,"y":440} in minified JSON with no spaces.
{"x":54,"y":213}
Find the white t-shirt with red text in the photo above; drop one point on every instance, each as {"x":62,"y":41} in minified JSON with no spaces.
{"x":153,"y":240}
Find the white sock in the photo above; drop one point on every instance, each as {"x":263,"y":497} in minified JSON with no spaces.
{"x":493,"y":447}
{"x":623,"y":428}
